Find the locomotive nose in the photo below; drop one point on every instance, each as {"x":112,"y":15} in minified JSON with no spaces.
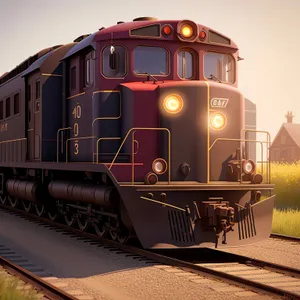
{"x":198,"y":115}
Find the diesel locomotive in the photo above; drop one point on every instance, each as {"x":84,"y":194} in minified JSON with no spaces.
{"x":136,"y":131}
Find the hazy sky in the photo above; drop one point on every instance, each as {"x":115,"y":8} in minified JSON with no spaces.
{"x":266,"y":31}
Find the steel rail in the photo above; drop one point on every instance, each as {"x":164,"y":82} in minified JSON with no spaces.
{"x":39,"y":284}
{"x":185,"y":265}
{"x":285,"y":237}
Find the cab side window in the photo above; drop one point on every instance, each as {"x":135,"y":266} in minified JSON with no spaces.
{"x":119,"y":70}
{"x":88,"y":70}
{"x":185,"y":64}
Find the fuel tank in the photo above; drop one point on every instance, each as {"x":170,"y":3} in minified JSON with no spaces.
{"x":84,"y":193}
{"x":27,"y":190}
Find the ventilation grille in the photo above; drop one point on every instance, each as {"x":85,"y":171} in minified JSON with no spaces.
{"x":246,"y":223}
{"x":153,"y":30}
{"x":180,"y":226}
{"x":218,"y":38}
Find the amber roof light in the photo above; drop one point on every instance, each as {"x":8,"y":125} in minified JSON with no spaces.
{"x":186,"y":31}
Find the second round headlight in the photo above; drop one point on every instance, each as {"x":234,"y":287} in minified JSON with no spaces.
{"x":248,"y":166}
{"x":159,"y":166}
{"x":218,"y":121}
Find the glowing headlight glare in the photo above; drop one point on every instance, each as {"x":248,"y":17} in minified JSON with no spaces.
{"x":186,"y":31}
{"x":218,"y":121}
{"x":159,"y":166}
{"x":173,"y":104}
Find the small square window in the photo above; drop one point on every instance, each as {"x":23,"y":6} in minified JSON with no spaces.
{"x":7,"y":108}
{"x":37,"y":89}
{"x":16,"y":103}
{"x":1,"y":110}
{"x":73,"y":78}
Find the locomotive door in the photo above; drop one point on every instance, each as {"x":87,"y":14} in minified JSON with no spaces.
{"x":33,"y":117}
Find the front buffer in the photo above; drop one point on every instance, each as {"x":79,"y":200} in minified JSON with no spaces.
{"x":199,"y":215}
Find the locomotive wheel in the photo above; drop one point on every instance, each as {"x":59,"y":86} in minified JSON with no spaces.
{"x":100,"y":229}
{"x":122,"y":237}
{"x":83,"y":223}
{"x":13,"y":201}
{"x":3,"y":199}
{"x":70,"y":219}
{"x":27,"y":205}
{"x":113,"y":234}
{"x":52,"y":215}
{"x":40,"y":209}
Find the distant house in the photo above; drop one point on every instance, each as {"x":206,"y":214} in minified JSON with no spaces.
{"x":286,"y":144}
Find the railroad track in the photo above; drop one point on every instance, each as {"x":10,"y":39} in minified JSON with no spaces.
{"x":44,"y":288}
{"x":259,"y":276}
{"x":285,"y":237}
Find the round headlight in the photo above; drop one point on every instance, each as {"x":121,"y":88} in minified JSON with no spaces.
{"x":173,"y":104}
{"x":248,"y":166}
{"x":218,"y":121}
{"x":159,"y":166}
{"x":186,"y":31}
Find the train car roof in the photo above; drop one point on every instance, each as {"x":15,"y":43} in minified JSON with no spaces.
{"x":25,"y":64}
{"x":86,"y":42}
{"x":36,"y":65}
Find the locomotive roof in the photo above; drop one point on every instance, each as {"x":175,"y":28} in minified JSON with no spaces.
{"x":122,"y":31}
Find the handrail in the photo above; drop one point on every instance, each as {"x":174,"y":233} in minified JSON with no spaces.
{"x":15,"y":140}
{"x":114,"y":153}
{"x":76,"y":138}
{"x":242,"y":140}
{"x":57,"y":140}
{"x":268,"y":149}
{"x":97,"y":145}
{"x":108,"y":118}
{"x":145,"y":128}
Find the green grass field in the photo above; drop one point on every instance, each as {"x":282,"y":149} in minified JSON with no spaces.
{"x":286,"y":222}
{"x":287,"y":185}
{"x":286,"y":216}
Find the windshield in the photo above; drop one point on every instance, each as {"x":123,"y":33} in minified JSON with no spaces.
{"x":152,"y":60}
{"x":219,"y":66}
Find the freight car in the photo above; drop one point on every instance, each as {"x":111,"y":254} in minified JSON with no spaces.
{"x":136,"y":131}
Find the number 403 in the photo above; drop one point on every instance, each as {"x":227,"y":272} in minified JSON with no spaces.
{"x":77,"y":115}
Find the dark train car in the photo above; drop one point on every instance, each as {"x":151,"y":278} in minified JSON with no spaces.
{"x":44,"y":90}
{"x":140,"y":132}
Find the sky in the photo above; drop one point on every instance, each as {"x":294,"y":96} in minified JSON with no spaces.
{"x":266,"y":32}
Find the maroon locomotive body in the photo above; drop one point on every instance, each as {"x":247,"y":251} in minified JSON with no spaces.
{"x":137,"y":130}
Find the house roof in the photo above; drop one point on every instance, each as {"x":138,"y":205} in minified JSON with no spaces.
{"x":293,"y":131}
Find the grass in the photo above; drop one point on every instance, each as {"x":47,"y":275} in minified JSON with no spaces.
{"x":286,"y":215}
{"x":9,"y":291}
{"x":286,"y":222}
{"x":287,"y":185}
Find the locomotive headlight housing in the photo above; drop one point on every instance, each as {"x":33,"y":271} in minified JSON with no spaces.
{"x":186,"y":31}
{"x":159,"y":166}
{"x":218,"y":121}
{"x":173,"y":104}
{"x":248,"y":166}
